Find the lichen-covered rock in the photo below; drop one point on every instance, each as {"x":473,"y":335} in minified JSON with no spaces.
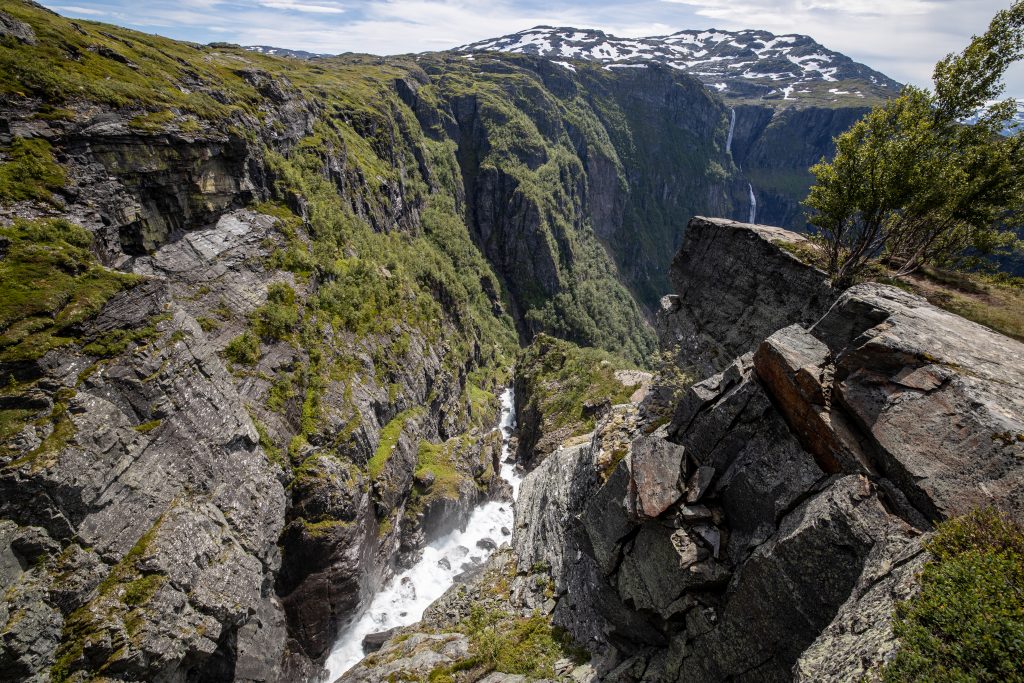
{"x":940,"y":399}
{"x":159,"y":497}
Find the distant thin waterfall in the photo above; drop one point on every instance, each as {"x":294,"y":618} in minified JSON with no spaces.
{"x":753,"y":204}
{"x":732,"y":127}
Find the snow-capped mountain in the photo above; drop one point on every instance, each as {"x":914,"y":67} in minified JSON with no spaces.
{"x":743,"y":64}
{"x":283,"y":52}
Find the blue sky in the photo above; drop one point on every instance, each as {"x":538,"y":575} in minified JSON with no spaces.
{"x":902,"y":38}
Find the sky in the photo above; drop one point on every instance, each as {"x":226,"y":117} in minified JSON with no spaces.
{"x":901,"y":38}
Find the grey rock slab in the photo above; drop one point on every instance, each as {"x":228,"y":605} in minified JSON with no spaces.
{"x":736,"y":287}
{"x":940,"y":398}
{"x":656,"y":466}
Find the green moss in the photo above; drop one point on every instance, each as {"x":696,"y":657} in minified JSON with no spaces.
{"x":49,"y":281}
{"x":324,"y":528}
{"x":30,"y":172}
{"x":117,"y":341}
{"x":388,"y":439}
{"x":503,"y":642}
{"x":147,"y":427}
{"x":967,"y":621}
{"x":559,"y":378}
{"x":61,"y":429}
{"x":274,"y":453}
{"x":153,"y":122}
{"x":439,"y":462}
{"x":121,"y":598}
{"x":208,"y":324}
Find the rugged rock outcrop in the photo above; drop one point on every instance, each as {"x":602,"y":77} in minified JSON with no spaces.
{"x":150,"y":514}
{"x":206,"y":468}
{"x":809,"y":472}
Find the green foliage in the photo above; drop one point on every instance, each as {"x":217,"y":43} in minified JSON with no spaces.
{"x":30,"y":172}
{"x":49,"y":281}
{"x":389,"y":436}
{"x":153,"y":122}
{"x":147,"y":427}
{"x":911,"y":184}
{"x":558,"y":378}
{"x":967,"y":622}
{"x":243,"y":349}
{"x":503,"y":642}
{"x":277,"y":318}
{"x":120,"y":598}
{"x":117,"y":341}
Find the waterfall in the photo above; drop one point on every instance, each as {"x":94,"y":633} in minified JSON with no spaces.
{"x":403,"y":599}
{"x":732,"y":127}
{"x":753,"y":204}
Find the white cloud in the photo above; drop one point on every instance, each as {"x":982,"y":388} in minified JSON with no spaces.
{"x":74,"y":9}
{"x":303,"y":6}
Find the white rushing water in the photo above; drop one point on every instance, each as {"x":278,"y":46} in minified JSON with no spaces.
{"x":732,"y":127}
{"x":753,"y":204}
{"x":403,"y":599}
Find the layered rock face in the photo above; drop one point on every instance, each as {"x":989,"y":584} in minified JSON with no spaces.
{"x":735,"y":286}
{"x":143,"y":521}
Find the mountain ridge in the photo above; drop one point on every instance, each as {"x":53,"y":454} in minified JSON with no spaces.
{"x":748,"y":64}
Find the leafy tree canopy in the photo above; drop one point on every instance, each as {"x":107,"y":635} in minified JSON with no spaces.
{"x":912,"y":184}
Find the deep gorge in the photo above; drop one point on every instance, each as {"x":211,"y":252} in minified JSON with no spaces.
{"x":258,"y":313}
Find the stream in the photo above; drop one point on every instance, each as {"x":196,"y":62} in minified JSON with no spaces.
{"x":402,"y":600}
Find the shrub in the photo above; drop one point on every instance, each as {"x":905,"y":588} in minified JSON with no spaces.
{"x":278,"y":317}
{"x":967,"y":622}
{"x":243,"y":349}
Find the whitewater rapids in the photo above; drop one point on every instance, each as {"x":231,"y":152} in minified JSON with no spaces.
{"x":404,"y":598}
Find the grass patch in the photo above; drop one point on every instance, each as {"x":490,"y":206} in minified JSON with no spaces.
{"x":49,"y":281}
{"x":30,"y":172}
{"x":506,"y":643}
{"x":995,"y":301}
{"x":389,"y":436}
{"x":153,"y":122}
{"x":560,"y":377}
{"x":967,"y":622}
{"x":147,"y":427}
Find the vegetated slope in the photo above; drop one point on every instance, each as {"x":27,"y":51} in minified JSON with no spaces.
{"x":785,"y":70}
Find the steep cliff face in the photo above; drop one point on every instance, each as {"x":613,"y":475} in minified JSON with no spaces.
{"x":735,"y":286}
{"x":774,"y":149}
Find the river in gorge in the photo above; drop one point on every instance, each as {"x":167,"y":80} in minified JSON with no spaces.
{"x":403,"y":599}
